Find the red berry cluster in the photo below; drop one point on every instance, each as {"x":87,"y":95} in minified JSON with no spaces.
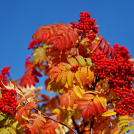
{"x":86,"y":25}
{"x":122,"y":51}
{"x":120,"y":73}
{"x":74,"y":68}
{"x":3,"y":75}
{"x":34,"y":43}
{"x":27,"y":60}
{"x":8,"y":101}
{"x":5,"y":70}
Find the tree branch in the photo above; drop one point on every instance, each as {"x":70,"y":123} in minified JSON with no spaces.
{"x":45,"y":116}
{"x":92,"y":124}
{"x":76,"y":127}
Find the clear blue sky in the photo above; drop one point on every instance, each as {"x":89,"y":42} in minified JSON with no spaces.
{"x":20,"y":19}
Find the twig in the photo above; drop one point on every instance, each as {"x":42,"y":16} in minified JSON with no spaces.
{"x":93,"y":84}
{"x":45,"y":116}
{"x":92,"y":124}
{"x":77,"y":51}
{"x":76,"y":127}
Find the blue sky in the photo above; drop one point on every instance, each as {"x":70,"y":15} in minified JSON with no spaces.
{"x":20,"y":19}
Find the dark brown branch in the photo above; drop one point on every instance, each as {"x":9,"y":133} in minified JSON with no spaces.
{"x":76,"y":127}
{"x":92,"y":124}
{"x":93,"y":84}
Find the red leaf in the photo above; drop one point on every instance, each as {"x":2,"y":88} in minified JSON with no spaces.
{"x":85,"y":113}
{"x":45,"y":37}
{"x":55,"y":44}
{"x":94,"y":46}
{"x":63,"y":43}
{"x":81,"y":106}
{"x":105,"y":47}
{"x":35,"y":72}
{"x":68,"y":41}
{"x":59,"y":45}
{"x":109,"y":52}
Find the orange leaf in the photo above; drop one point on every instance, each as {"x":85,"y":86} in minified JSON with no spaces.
{"x":70,"y":77}
{"x":59,"y":77}
{"x":21,"y":100}
{"x":30,"y":105}
{"x":33,"y":130}
{"x":64,"y":77}
{"x":56,"y":125}
{"x":40,"y":123}
{"x":84,"y":75}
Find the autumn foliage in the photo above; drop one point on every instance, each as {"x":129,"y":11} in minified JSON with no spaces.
{"x":92,"y":82}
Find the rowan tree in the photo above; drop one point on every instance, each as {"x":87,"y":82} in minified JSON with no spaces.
{"x":92,"y":82}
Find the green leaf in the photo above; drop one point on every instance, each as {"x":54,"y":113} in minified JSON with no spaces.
{"x":39,"y":55}
{"x":17,"y":127}
{"x":126,"y":129}
{"x":4,"y":130}
{"x":8,"y":121}
{"x":1,"y":117}
{"x":123,"y":121}
{"x":72,"y":61}
{"x":89,"y":61}
{"x":81,"y":60}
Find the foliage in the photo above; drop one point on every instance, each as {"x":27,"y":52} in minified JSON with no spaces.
{"x":92,"y":82}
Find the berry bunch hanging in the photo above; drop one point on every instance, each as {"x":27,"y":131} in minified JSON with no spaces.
{"x":8,"y":103}
{"x":4,"y":74}
{"x":120,"y":73}
{"x":34,"y":43}
{"x":86,"y":25}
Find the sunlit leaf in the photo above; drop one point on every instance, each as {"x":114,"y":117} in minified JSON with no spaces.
{"x":109,"y":113}
{"x":126,"y":129}
{"x":81,"y":60}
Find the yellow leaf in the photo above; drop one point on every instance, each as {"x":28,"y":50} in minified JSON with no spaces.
{"x":85,"y":40}
{"x":64,"y":77}
{"x":109,"y":113}
{"x":61,"y":67}
{"x":90,"y":75}
{"x":70,"y":77}
{"x":84,"y":75}
{"x":59,"y":77}
{"x":102,"y":100}
{"x":67,"y":66}
{"x":77,"y":76}
{"x":78,"y":91}
{"x":125,"y":117}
